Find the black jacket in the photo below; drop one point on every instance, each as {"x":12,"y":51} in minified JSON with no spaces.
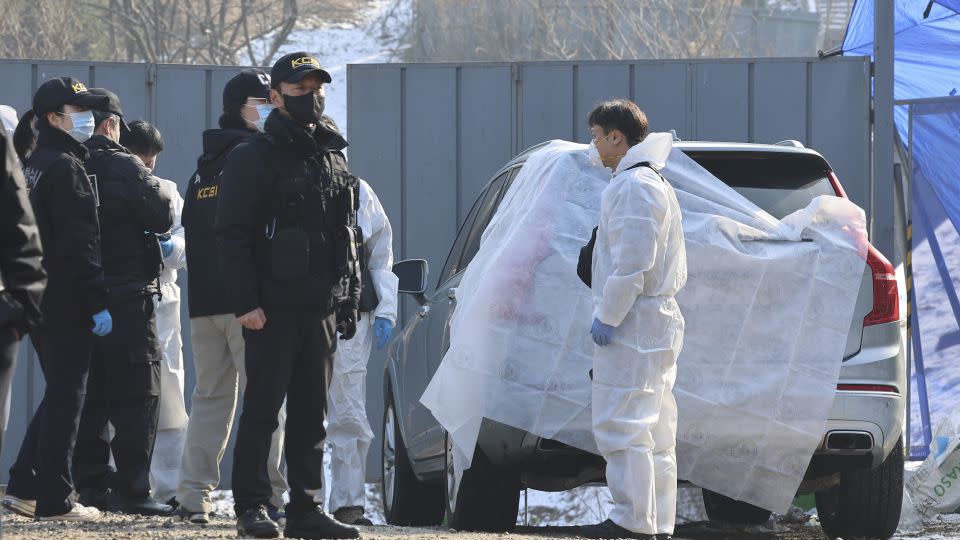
{"x":22,"y":279}
{"x":286,"y":220}
{"x":133,"y":211}
{"x":207,"y":295}
{"x":66,"y":211}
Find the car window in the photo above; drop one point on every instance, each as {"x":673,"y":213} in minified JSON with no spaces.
{"x":490,"y":204}
{"x":780,"y":183}
{"x":453,"y":259}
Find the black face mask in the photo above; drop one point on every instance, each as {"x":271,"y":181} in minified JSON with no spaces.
{"x":306,"y":109}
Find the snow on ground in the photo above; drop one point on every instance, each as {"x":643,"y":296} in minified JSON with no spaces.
{"x":367,"y":41}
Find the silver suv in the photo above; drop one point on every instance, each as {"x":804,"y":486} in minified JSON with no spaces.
{"x":856,"y":473}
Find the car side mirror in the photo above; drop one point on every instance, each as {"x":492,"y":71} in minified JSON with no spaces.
{"x":412,"y":276}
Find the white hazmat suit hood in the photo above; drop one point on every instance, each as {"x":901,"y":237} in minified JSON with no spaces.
{"x":639,"y":265}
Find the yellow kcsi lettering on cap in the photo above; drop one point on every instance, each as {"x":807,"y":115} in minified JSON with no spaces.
{"x":305,"y":61}
{"x":79,"y":87}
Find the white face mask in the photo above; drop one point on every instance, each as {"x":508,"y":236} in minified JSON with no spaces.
{"x":83,"y":125}
{"x":263,"y":111}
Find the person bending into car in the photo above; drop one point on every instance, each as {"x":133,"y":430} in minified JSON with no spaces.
{"x":639,"y":265}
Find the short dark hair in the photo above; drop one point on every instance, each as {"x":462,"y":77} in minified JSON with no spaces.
{"x":100,"y":117}
{"x":143,"y":139}
{"x":622,"y":115}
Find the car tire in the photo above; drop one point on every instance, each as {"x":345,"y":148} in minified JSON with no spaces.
{"x":866,"y":503}
{"x":408,"y":501}
{"x":486,"y":499}
{"x":722,"y":508}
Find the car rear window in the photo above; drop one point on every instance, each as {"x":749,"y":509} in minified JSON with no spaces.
{"x":780,"y":183}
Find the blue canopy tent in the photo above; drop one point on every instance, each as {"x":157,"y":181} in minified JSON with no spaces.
{"x":927,"y":117}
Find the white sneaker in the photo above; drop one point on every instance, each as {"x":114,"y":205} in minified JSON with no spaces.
{"x":79,"y":512}
{"x":24,"y":507}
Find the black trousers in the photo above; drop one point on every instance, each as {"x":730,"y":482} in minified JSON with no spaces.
{"x":8,"y":358}
{"x":42,"y":469}
{"x":291,"y":357}
{"x":124,"y":390}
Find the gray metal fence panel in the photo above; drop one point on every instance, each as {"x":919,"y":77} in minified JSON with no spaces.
{"x":721,"y":101}
{"x":779,"y":102}
{"x":428,"y":136}
{"x":838,"y":114}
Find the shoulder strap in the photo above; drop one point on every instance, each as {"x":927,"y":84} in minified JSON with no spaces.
{"x":647,"y":165}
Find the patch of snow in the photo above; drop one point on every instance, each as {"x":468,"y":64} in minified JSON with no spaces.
{"x":367,"y":41}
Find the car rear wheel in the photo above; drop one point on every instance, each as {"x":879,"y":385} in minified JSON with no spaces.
{"x":486,"y":498}
{"x":866,"y":503}
{"x":406,"y":500}
{"x":722,"y":508}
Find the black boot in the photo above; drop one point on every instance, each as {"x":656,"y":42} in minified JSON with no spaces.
{"x":254,"y":522}
{"x":352,"y":515}
{"x":316,"y":524}
{"x":608,"y":530}
{"x":141,"y":506}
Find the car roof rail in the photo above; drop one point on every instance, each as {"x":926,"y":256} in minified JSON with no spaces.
{"x":791,"y":143}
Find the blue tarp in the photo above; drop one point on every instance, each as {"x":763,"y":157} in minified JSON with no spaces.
{"x":927,"y":65}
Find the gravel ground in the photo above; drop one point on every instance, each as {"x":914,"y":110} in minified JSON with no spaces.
{"x":114,"y":526}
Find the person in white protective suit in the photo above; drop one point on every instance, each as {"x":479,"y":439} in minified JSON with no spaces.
{"x":348,"y":430}
{"x":144,"y":141}
{"x":639,"y":265}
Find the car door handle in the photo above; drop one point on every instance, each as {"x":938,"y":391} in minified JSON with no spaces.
{"x":452,"y":295}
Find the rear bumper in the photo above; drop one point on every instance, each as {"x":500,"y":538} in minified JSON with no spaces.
{"x":857,"y":414}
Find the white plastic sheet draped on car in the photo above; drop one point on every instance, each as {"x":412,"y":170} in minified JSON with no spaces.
{"x":768,"y":306}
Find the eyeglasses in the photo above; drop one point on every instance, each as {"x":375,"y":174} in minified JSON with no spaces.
{"x":595,"y":140}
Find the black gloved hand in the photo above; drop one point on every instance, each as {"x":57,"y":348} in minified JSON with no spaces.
{"x":347,"y":319}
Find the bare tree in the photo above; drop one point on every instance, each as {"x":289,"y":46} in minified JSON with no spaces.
{"x":197,"y":31}
{"x":517,"y":30}
{"x":40,"y":29}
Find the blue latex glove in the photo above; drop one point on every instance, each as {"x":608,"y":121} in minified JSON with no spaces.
{"x":383,"y":329}
{"x":167,"y":247}
{"x":102,"y":323}
{"x":602,"y":333}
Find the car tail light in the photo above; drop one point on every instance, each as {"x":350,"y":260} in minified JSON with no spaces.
{"x":884,"y":388}
{"x":886,"y":301}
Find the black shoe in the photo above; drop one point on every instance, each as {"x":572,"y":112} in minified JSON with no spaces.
{"x":316,"y":524}
{"x":608,"y":530}
{"x":96,"y":498}
{"x":255,"y":522}
{"x":352,"y":515}
{"x":142,"y":507}
{"x":172,"y":503}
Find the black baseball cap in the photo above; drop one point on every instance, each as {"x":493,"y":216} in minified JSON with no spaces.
{"x":112,"y":105}
{"x":61,"y":91}
{"x":249,"y":83}
{"x":294,"y":67}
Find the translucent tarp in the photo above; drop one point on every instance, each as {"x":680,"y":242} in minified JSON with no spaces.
{"x":768,"y":306}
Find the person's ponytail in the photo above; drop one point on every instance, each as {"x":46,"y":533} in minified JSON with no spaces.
{"x":24,"y":137}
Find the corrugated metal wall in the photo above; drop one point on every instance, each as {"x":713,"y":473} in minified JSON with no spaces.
{"x":429,"y":136}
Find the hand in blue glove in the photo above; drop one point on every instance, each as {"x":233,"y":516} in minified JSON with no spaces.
{"x":383,"y":329}
{"x":102,"y":323}
{"x":167,"y":247}
{"x":602,"y":333}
